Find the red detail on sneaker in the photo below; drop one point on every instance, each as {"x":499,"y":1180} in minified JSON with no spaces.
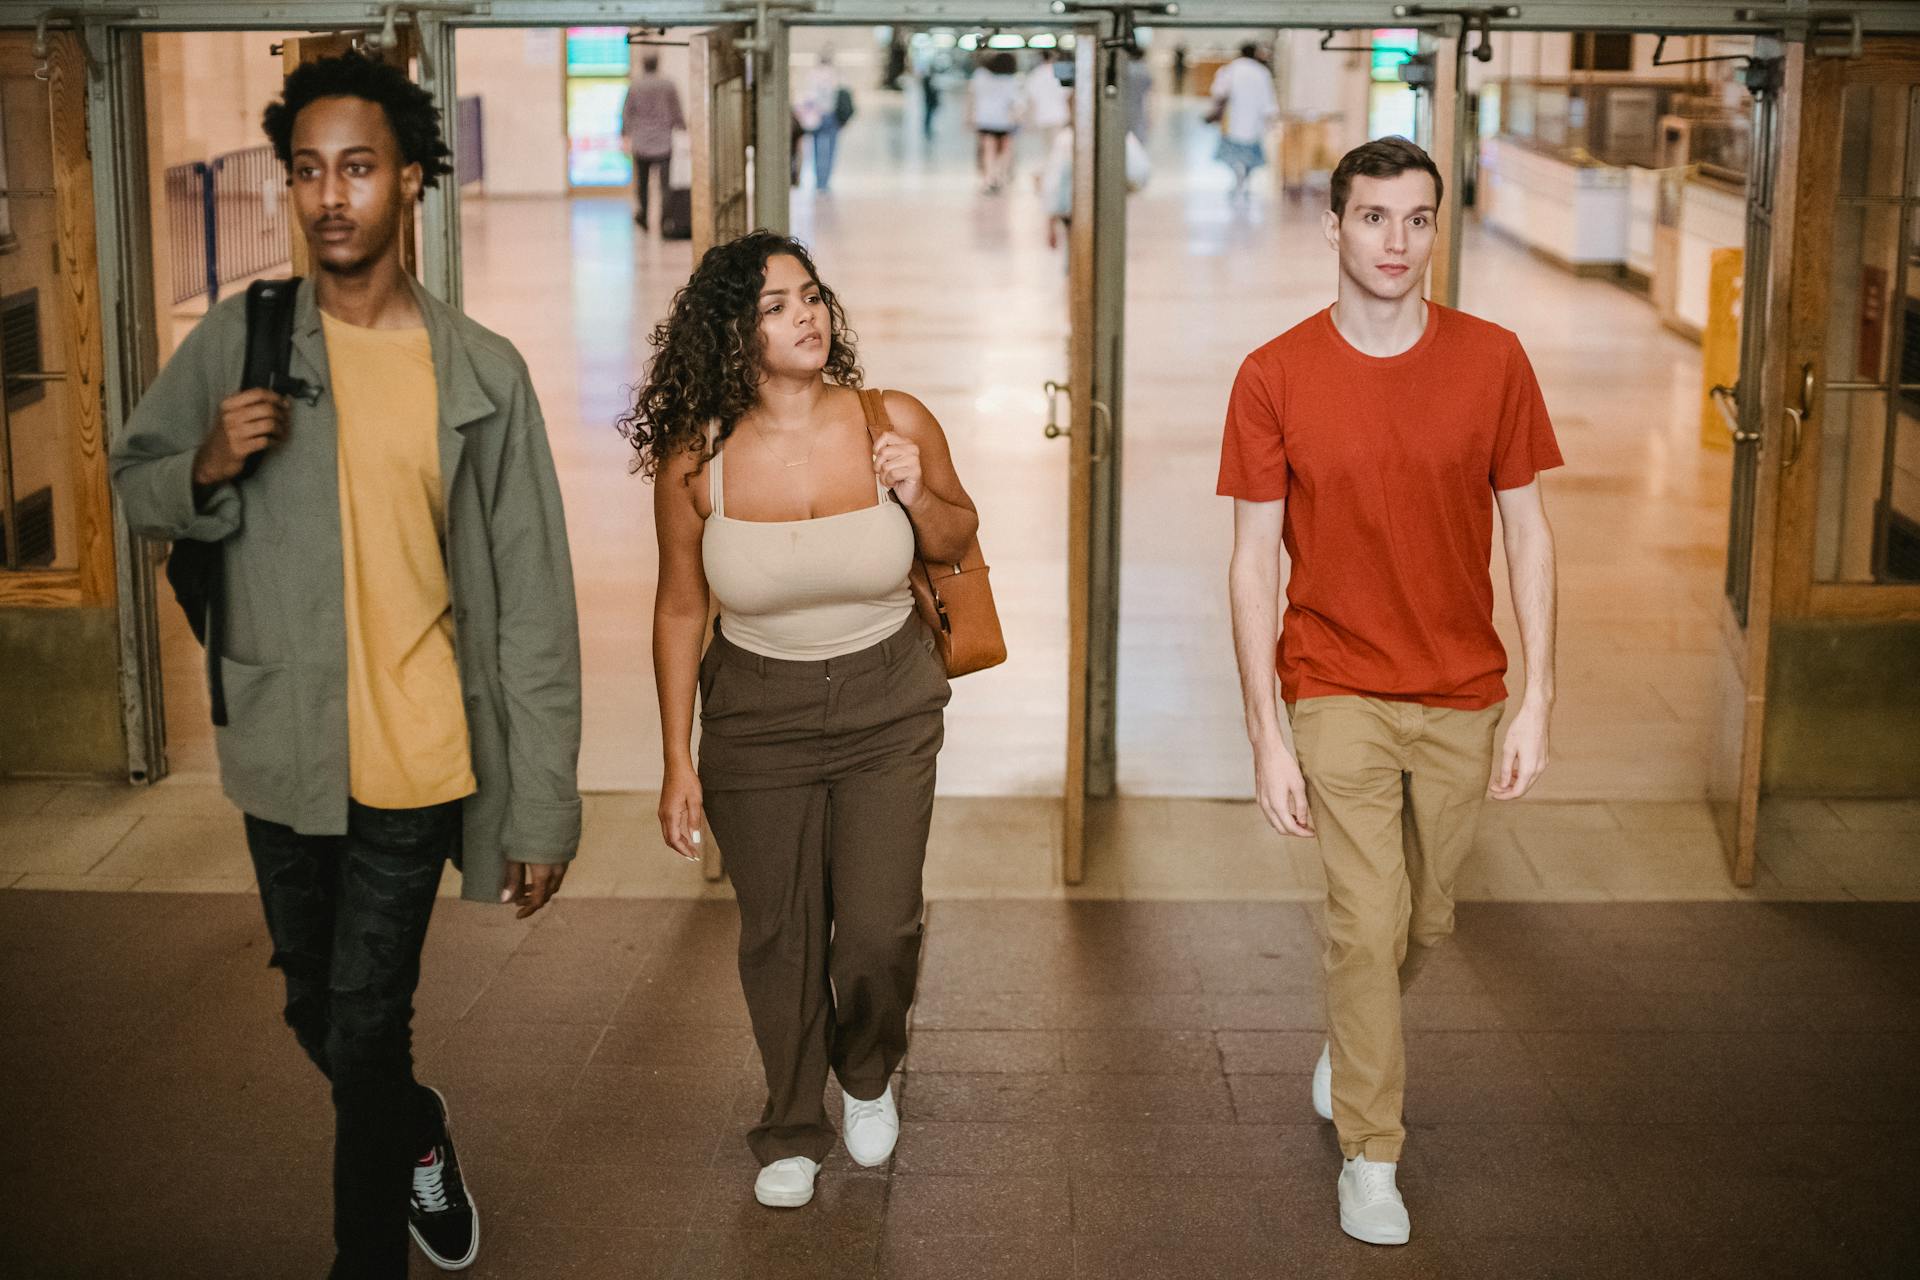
{"x":430,"y":1159}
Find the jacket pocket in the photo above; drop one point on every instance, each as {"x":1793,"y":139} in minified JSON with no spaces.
{"x":259,"y":743}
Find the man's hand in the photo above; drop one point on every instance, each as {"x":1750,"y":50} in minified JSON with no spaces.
{"x":1281,"y":790}
{"x":250,"y":422}
{"x":530,"y":885}
{"x":1524,"y":757}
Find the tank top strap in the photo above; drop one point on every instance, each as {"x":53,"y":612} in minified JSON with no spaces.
{"x":716,"y":487}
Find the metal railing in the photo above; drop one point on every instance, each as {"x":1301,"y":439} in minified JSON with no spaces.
{"x":189,"y":223}
{"x":249,"y":215}
{"x":226,"y":220}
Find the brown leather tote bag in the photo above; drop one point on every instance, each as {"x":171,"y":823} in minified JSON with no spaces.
{"x":954,"y":600}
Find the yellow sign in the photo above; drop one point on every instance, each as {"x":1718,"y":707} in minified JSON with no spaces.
{"x":1720,"y":342}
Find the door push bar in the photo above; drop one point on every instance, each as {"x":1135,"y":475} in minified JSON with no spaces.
{"x":1470,"y":19}
{"x":1809,"y":24}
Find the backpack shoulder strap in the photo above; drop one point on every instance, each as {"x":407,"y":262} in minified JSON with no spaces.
{"x":269,"y":333}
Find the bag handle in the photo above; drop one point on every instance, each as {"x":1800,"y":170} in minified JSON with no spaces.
{"x":878,"y":424}
{"x":873,"y":404}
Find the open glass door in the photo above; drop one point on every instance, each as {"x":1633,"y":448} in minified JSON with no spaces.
{"x":59,"y":621}
{"x":1097,"y":284}
{"x":1747,"y":408}
{"x":719,"y":129}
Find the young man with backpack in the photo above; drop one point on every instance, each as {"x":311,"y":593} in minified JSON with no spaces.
{"x":395,"y":634}
{"x":1375,"y":439}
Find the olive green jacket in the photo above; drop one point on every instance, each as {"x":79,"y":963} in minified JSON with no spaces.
{"x":283,"y":754}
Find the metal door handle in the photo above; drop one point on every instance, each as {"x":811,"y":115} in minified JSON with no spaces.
{"x":1798,"y":416}
{"x":1727,"y":400}
{"x":1102,"y":440}
{"x":1053,"y":430}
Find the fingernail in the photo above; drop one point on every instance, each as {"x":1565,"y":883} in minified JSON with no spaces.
{"x":696,"y":837}
{"x":506,"y":895}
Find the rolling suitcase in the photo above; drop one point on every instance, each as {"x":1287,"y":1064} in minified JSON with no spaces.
{"x":676,"y":213}
{"x":676,"y":196}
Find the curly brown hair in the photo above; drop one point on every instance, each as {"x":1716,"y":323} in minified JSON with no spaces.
{"x":706,"y":360}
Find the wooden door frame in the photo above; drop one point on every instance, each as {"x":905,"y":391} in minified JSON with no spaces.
{"x":92,"y":582}
{"x":716,"y":58}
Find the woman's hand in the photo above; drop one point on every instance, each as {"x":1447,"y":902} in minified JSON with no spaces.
{"x":682,"y":818}
{"x":896,"y":461}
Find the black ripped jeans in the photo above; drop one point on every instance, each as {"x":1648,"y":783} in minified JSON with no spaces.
{"x":347,"y":915}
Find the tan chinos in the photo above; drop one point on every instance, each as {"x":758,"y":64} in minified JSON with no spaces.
{"x":818,"y":783}
{"x":1395,"y":789}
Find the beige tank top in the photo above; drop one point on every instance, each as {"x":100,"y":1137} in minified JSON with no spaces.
{"x":804,"y":590}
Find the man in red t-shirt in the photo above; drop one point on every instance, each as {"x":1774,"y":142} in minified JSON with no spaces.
{"x":1374,"y":440}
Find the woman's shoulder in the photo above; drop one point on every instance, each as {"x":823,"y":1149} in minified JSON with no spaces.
{"x":907,"y":414}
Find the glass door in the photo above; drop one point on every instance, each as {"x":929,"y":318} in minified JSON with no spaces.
{"x":1746,"y":408}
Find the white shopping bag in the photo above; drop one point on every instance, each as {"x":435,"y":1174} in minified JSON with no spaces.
{"x":1139,"y":164}
{"x":680,"y":161}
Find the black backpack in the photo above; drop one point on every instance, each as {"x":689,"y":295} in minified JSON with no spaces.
{"x":196,"y":570}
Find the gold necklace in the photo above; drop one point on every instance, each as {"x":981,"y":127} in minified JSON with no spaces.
{"x":761,"y":436}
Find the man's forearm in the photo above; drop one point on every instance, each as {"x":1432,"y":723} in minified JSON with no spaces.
{"x":1531,"y":575}
{"x":1254,"y":592}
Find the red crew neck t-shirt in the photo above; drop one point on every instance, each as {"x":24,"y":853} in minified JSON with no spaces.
{"x":1388,"y":467}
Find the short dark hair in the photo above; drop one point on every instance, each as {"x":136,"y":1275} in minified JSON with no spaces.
{"x":1250,"y":50}
{"x":409,"y":108}
{"x":1387,"y":157}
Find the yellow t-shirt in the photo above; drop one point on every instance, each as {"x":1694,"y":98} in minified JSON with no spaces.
{"x":406,"y":724}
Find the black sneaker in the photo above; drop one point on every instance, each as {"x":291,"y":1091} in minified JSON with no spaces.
{"x":441,"y":1215}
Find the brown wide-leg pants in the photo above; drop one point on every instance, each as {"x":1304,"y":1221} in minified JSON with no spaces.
{"x":1396,"y":790}
{"x":818,"y":783}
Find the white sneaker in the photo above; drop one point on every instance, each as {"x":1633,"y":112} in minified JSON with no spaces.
{"x":870,"y":1128}
{"x":1370,"y":1205}
{"x":1323,"y":1083}
{"x":786,"y":1184}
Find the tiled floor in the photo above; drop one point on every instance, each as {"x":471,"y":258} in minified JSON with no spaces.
{"x":1100,"y":1090}
{"x":184,"y":836}
{"x":956,"y":297}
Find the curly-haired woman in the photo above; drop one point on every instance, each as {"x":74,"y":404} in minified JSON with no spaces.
{"x":821,"y":694}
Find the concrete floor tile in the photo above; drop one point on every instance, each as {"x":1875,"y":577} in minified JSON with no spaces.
{"x":73,"y":883}
{"x":1731,"y":1050}
{"x":60,"y":846}
{"x":1140,"y":1052}
{"x":25,"y":799}
{"x":982,"y":1149}
{"x":197,"y":884}
{"x":1877,"y":815}
{"x":181,"y":847}
{"x":905,"y":1255}
{"x":1015,"y":1051}
{"x":959,"y":1205}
